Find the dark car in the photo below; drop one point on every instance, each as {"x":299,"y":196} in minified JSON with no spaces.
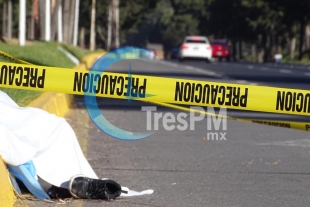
{"x":174,"y":54}
{"x":220,"y":49}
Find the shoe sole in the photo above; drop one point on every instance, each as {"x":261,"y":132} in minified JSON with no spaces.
{"x":70,"y":184}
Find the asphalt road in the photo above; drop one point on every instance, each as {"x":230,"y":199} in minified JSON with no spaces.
{"x":269,"y":74}
{"x":255,"y":165}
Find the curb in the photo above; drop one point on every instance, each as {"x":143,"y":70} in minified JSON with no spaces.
{"x":7,"y":195}
{"x":89,"y":60}
{"x":54,"y":103}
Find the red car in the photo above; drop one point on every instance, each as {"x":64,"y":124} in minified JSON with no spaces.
{"x":220,"y":49}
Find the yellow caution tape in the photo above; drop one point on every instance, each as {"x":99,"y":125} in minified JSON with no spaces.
{"x":164,"y":91}
{"x":156,"y":89}
{"x":285,"y":124}
{"x":14,"y":59}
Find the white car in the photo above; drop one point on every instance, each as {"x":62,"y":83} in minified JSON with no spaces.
{"x":195,"y":47}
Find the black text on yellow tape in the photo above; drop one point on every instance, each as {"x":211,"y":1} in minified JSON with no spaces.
{"x":160,"y":90}
{"x":28,"y":77}
{"x":215,"y":94}
{"x":107,"y":84}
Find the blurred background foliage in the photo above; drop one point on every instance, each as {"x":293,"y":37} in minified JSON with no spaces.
{"x":256,"y":29}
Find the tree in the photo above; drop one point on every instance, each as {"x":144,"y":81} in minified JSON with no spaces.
{"x":42,"y":19}
{"x":136,"y":20}
{"x":85,"y":11}
{"x":54,"y":19}
{"x":47,"y":20}
{"x":115,"y":23}
{"x":59,"y":21}
{"x":92,"y":26}
{"x":178,"y":19}
{"x":4,"y":19}
{"x":68,"y":15}
{"x":22,"y":22}
{"x":76,"y":22}
{"x":109,"y":34}
{"x":9,"y":18}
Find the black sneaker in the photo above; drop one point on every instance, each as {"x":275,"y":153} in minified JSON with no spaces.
{"x":56,"y":192}
{"x":88,"y":188}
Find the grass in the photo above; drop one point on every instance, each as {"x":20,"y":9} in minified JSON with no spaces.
{"x":305,"y":60}
{"x":38,"y":53}
{"x":286,"y":58}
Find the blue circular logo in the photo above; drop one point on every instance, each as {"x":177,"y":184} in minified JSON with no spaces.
{"x":110,"y":58}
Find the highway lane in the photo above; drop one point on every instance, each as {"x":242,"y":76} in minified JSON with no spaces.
{"x":278,"y":75}
{"x":254,"y":165}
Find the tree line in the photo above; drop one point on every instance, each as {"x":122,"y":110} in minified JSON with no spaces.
{"x":255,"y":28}
{"x":259,"y":28}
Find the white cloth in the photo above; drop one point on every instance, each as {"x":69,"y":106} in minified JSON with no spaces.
{"x":130,"y":193}
{"x":46,"y":139}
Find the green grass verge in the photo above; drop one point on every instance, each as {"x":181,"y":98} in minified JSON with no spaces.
{"x":38,"y":53}
{"x":305,"y":60}
{"x":286,"y":59}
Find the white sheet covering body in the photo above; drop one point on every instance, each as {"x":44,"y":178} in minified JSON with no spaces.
{"x":49,"y":141}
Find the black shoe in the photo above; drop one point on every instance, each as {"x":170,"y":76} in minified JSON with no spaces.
{"x":56,"y":192}
{"x":88,"y":188}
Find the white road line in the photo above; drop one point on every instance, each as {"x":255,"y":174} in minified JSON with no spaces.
{"x":285,"y":71}
{"x":173,"y":65}
{"x":189,"y":67}
{"x":250,"y":67}
{"x":208,"y":72}
{"x":264,"y":68}
{"x":307,"y":74}
{"x":242,"y":81}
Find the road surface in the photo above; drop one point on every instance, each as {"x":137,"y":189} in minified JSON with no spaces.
{"x":255,"y":165}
